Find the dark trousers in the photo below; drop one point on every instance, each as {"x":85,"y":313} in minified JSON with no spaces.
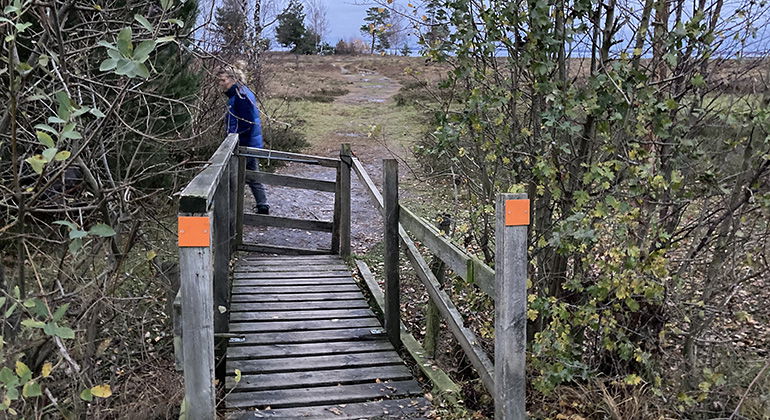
{"x":256,"y":188}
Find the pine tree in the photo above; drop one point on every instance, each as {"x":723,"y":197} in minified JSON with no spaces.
{"x":377,"y":28}
{"x":231,"y":25}
{"x":291,"y":30}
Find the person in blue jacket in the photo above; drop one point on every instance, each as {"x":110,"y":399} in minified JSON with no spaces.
{"x":242,"y":117}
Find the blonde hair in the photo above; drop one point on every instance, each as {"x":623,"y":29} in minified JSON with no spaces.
{"x":235,"y":71}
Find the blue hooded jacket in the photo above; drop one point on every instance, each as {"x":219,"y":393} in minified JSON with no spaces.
{"x":243,"y":116}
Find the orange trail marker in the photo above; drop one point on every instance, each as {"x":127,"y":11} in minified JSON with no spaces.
{"x":517,"y":212}
{"x":194,"y":231}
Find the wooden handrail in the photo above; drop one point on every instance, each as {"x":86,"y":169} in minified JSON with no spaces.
{"x":505,"y":378}
{"x":278,"y":155}
{"x":198,"y":195}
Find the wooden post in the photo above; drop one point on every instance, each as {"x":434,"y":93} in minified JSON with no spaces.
{"x":512,"y":219}
{"x":344,"y":184}
{"x":239,"y":200}
{"x":196,"y":284}
{"x":392,"y":280}
{"x":432,"y":315}
{"x":335,"y":248}
{"x":233,"y":203}
{"x":221,"y":248}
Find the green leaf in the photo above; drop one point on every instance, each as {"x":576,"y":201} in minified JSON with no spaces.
{"x":165,"y":39}
{"x":101,"y":230}
{"x":176,"y":22}
{"x":166,"y":4}
{"x":56,"y":120}
{"x":124,"y":42}
{"x":22,"y":26}
{"x":43,"y":60}
{"x":65,"y":105}
{"x":60,"y":312}
{"x":31,"y":389}
{"x":49,"y":153}
{"x":69,"y":132}
{"x":2,"y":300}
{"x":698,"y":80}
{"x":108,"y":64}
{"x":107,"y":45}
{"x":80,"y":111}
{"x":142,"y":52}
{"x":10,"y":310}
{"x":115,"y":54}
{"x":125,"y":68}
{"x":7,"y":376}
{"x":145,"y":23}
{"x":55,"y":330}
{"x":96,"y":113}
{"x":47,"y":128}
{"x":75,"y":246}
{"x":77,"y":234}
{"x":63,"y":155}
{"x":31,"y":323}
{"x":65,"y":223}
{"x":45,"y":139}
{"x":37,"y":163}
{"x":141,"y":70}
{"x":85,"y":395}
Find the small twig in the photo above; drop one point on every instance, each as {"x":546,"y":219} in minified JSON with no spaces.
{"x":751,"y":385}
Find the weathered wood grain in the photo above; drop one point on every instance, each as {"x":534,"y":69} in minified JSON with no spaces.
{"x":299,"y":315}
{"x":392,"y":315}
{"x":323,"y":395}
{"x":197,"y":196}
{"x":466,"y":266}
{"x":276,"y":249}
{"x":310,"y":268}
{"x":443,"y":386}
{"x":288,"y":274}
{"x":297,"y":297}
{"x":252,"y":219}
{"x":343,"y":376}
{"x":303,"y":325}
{"x":344,"y":197}
{"x":294,"y":281}
{"x":510,"y":314}
{"x":345,"y":334}
{"x":408,"y":408}
{"x":242,"y":290}
{"x":281,"y":180}
{"x":284,"y":306}
{"x":266,"y":351}
{"x":298,"y":364}
{"x":293,"y":157}
{"x":196,"y":285}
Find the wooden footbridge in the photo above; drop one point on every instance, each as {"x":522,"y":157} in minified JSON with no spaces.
{"x":277,"y":331}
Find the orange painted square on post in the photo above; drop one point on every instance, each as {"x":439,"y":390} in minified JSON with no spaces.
{"x":517,"y":212}
{"x":194,"y":231}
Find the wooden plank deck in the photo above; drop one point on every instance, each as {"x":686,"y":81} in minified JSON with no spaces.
{"x":310,"y":346}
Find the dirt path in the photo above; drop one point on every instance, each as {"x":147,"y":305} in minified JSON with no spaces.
{"x":350,"y":119}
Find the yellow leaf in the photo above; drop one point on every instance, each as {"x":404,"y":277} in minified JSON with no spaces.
{"x":151,"y":255}
{"x":633,"y":379}
{"x":47,"y":368}
{"x":237,"y":375}
{"x":21,"y":368}
{"x":101,"y":391}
